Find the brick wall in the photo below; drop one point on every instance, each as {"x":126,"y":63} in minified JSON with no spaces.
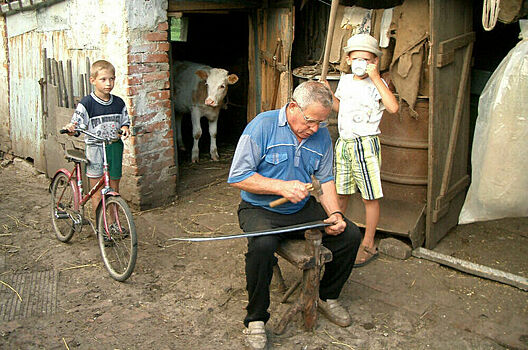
{"x":148,"y":164}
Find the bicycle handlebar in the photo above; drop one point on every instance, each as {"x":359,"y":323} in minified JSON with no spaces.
{"x":79,"y":131}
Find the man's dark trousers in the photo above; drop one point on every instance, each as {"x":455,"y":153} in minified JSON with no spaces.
{"x":260,"y":257}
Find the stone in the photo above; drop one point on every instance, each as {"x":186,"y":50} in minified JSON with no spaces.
{"x":395,"y":248}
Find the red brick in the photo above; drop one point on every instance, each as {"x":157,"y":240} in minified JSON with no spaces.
{"x":160,"y":104}
{"x":141,"y":68}
{"x":158,"y":166}
{"x":133,"y":90}
{"x":145,"y":118}
{"x":159,"y":95}
{"x":169,"y":135}
{"x":151,"y":47}
{"x":132,"y":170}
{"x":155,"y":76}
{"x":135,"y":58}
{"x":156,"y":127}
{"x":163,"y":47}
{"x":163,"y":26}
{"x":134,"y":80}
{"x":155,"y":57}
{"x":156,"y":36}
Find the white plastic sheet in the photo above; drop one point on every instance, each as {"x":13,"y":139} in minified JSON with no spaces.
{"x":499,"y":158}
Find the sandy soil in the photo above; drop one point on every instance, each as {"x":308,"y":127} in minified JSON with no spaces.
{"x":192,"y":295}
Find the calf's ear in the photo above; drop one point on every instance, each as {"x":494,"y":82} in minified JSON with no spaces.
{"x":202,"y":74}
{"x":231,"y":79}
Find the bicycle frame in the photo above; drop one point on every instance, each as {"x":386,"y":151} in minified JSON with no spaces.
{"x":79,"y":199}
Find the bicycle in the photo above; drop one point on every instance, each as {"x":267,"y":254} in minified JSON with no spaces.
{"x":115,"y":228}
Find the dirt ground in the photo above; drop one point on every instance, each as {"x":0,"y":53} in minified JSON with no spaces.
{"x":192,"y":295}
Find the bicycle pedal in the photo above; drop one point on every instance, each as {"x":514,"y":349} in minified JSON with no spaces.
{"x":85,"y":221}
{"x":61,"y":215}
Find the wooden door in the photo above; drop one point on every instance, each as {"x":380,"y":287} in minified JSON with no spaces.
{"x":451,"y":49}
{"x":271,"y":37}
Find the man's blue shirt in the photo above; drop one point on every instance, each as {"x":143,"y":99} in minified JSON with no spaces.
{"x":270,"y":148}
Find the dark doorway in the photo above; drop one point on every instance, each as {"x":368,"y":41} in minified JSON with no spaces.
{"x":219,"y":40}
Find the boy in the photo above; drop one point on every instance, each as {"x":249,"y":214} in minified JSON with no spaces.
{"x":360,"y":99}
{"x":102,"y":114}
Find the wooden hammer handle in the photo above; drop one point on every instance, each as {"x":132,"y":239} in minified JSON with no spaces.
{"x":283,"y":200}
{"x":277,"y":202}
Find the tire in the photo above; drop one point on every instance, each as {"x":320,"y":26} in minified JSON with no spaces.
{"x":119,"y":244}
{"x":63,"y":190}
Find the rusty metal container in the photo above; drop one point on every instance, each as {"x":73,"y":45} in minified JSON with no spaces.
{"x":404,"y":152}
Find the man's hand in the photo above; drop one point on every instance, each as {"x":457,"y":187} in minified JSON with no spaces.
{"x":338,"y":226}
{"x":125,"y":132}
{"x":294,"y":191}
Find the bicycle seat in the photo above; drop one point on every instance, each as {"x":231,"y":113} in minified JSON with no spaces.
{"x":75,"y":155}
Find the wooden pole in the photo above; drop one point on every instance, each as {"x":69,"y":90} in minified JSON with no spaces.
{"x":329,"y":38}
{"x":472,"y":268}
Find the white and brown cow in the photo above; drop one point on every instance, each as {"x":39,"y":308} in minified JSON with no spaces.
{"x":199,"y":90}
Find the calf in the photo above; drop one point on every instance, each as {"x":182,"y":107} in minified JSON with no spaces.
{"x":199,"y":90}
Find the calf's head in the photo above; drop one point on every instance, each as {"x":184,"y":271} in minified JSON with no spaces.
{"x":216,"y":81}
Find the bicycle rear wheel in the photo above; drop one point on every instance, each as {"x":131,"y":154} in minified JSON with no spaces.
{"x":62,"y":207}
{"x":119,"y":244}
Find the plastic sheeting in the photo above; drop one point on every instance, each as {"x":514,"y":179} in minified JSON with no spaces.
{"x":499,"y":158}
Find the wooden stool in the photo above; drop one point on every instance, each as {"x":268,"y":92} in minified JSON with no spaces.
{"x":308,"y":256}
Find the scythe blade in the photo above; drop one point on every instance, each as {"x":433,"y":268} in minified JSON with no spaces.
{"x":285,"y":229}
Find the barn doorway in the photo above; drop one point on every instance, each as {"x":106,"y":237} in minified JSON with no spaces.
{"x":212,"y":39}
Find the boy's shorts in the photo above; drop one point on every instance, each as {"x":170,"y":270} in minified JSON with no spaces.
{"x":357,"y":166}
{"x":114,"y":157}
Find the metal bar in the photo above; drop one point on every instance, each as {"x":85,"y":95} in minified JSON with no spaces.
{"x":285,"y":229}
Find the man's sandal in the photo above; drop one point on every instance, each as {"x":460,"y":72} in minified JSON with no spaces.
{"x":369,"y":254}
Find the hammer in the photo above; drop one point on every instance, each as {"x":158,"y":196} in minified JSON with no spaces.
{"x":315,"y":187}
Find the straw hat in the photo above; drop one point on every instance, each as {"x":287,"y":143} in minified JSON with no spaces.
{"x":363,"y":42}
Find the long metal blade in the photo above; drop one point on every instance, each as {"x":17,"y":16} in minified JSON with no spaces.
{"x":285,"y":229}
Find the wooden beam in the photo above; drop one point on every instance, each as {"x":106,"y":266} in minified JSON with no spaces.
{"x":472,"y":268}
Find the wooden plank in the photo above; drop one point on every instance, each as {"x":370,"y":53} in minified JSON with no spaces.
{"x":472,"y":268}
{"x":253,"y":86}
{"x":460,"y":101}
{"x":44,"y":87}
{"x":204,"y":5}
{"x":88,"y":88}
{"x":82,"y":85}
{"x":455,"y":43}
{"x":62,"y":87}
{"x":452,"y":25}
{"x":69,"y":83}
{"x":55,"y":66}
{"x":442,"y":202}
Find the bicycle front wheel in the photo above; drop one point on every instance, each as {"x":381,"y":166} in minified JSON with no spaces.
{"x":62,"y":207}
{"x":118,"y":244}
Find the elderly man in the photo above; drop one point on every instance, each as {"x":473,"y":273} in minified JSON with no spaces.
{"x":276,"y":156}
